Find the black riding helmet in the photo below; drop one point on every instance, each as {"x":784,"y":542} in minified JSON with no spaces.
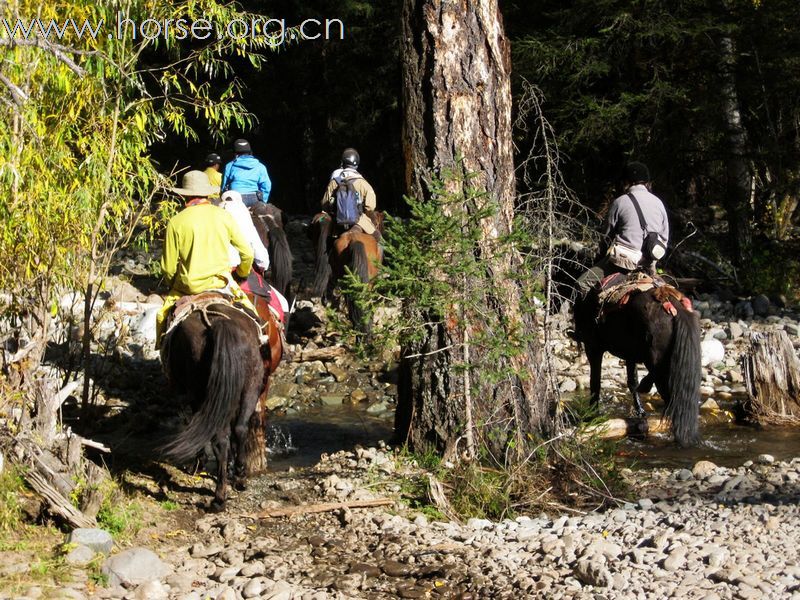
{"x":213,"y":159}
{"x":350,"y":158}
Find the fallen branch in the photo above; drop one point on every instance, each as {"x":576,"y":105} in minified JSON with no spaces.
{"x":619,"y":428}
{"x":319,"y":354}
{"x":718,"y":268}
{"x":83,"y":441}
{"x":322,"y":507}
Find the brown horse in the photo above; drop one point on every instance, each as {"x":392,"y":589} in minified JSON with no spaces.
{"x":353,"y":250}
{"x":656,"y":328}
{"x":215,"y":355}
{"x":269,"y":223}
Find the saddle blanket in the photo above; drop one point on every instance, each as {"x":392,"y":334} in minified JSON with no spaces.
{"x":616,"y":289}
{"x":258,"y":286}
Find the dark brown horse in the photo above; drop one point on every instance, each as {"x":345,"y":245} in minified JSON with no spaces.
{"x":215,"y":355}
{"x":655,"y":328}
{"x":353,"y":250}
{"x":269,"y":223}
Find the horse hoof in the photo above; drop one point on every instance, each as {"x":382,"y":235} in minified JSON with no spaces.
{"x":216,"y":507}
{"x":240,"y":485}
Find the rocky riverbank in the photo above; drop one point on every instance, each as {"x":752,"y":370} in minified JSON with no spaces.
{"x":708,"y":532}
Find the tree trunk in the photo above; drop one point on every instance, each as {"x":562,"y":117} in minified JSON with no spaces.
{"x":737,"y":173}
{"x":458,"y":106}
{"x":772,"y":377}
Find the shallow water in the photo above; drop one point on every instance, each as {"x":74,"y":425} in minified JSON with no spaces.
{"x":728,"y":445}
{"x":299,"y":440}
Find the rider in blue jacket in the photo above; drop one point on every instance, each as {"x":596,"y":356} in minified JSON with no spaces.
{"x":246,"y":175}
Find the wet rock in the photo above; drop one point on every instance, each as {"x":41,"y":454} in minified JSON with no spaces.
{"x":411,"y":591}
{"x":332,"y":399}
{"x":396,"y":569}
{"x":357,"y":395}
{"x":709,"y":406}
{"x":378,"y":407}
{"x":765,"y":459}
{"x":339,"y":374}
{"x":366,"y":569}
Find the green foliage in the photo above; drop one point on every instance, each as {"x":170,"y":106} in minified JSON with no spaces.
{"x":75,"y":140}
{"x":11,"y":487}
{"x":481,"y":492}
{"x":120,"y":515}
{"x":169,"y":505}
{"x":774,"y":270}
{"x":643,"y":79}
{"x":434,"y":270}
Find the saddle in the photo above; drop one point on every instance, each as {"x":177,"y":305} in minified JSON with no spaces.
{"x":202,"y":302}
{"x":615,"y":290}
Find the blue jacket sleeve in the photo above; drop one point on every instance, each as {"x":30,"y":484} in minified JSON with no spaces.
{"x":264,"y":184}
{"x":226,"y":173}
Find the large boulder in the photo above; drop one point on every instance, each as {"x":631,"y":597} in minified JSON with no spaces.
{"x":99,"y":540}
{"x":134,"y":567}
{"x":712,"y":352}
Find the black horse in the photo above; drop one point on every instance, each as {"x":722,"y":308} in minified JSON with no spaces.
{"x":214,"y":355}
{"x":655,"y":328}
{"x":269,"y":223}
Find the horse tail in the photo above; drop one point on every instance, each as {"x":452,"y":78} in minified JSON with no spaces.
{"x":359,"y":266}
{"x":322,"y":267}
{"x":280,"y":255}
{"x":684,"y":378}
{"x":226,"y":380}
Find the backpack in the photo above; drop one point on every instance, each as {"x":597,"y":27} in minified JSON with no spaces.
{"x":653,"y":249}
{"x":348,"y":202}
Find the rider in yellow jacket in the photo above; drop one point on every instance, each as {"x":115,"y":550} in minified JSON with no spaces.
{"x":196,"y":243}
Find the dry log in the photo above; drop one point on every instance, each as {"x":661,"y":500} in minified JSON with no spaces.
{"x":322,"y":354}
{"x":57,"y":504}
{"x":95,"y":492}
{"x":772,"y":377}
{"x":439,"y":499}
{"x":619,"y":428}
{"x":306,"y":509}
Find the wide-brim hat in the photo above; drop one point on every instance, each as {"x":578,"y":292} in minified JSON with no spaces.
{"x":195,"y":184}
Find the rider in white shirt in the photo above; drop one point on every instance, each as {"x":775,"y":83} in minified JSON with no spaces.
{"x":232,"y":202}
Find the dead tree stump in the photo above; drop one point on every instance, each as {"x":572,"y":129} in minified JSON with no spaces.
{"x":772,"y":376}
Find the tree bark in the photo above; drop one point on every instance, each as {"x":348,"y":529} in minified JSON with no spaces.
{"x":737,"y":172}
{"x":457,"y":98}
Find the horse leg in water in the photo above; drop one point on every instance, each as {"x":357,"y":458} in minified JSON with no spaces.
{"x":633,"y":386}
